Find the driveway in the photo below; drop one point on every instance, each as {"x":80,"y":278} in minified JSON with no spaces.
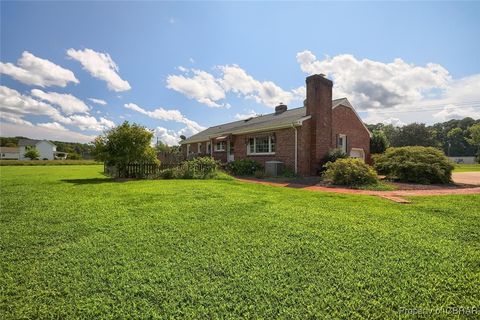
{"x":467,"y":178}
{"x":395,"y":195}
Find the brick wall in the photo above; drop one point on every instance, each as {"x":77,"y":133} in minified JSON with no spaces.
{"x":284,"y":148}
{"x":346,"y":122}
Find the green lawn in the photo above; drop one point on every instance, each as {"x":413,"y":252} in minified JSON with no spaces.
{"x":75,"y":245}
{"x":466,"y":167}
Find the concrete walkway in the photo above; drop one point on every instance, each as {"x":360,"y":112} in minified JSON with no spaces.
{"x":396,"y":195}
{"x":467,"y":178}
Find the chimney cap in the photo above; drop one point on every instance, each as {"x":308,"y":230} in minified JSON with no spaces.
{"x":319,"y":78}
{"x":281,"y":108}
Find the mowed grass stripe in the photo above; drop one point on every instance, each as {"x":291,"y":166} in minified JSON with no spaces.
{"x":74,"y":244}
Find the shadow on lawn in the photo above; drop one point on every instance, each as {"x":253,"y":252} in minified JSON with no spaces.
{"x":93,"y":181}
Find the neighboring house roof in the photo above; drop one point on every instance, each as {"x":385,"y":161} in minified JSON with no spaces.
{"x":32,"y":142}
{"x":289,"y":118}
{"x":9,"y":150}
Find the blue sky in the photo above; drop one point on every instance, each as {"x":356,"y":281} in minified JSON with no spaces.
{"x":180,"y":67}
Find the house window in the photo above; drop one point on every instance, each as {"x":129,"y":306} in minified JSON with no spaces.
{"x":200,"y":148}
{"x":209,"y":147}
{"x":261,"y":145}
{"x":188,"y":149}
{"x":220,"y":146}
{"x":342,"y":142}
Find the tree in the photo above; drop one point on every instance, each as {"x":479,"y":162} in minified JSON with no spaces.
{"x":414,"y":134}
{"x":162,"y":147}
{"x":379,"y":142}
{"x":474,"y":139}
{"x":32,"y":154}
{"x":125,"y":144}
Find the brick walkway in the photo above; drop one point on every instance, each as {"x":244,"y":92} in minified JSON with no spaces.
{"x":396,"y":195}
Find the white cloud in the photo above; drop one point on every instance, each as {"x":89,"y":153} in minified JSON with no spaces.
{"x":404,"y":91}
{"x":98,"y":101}
{"x":202,"y":87}
{"x":172,"y":137}
{"x":209,"y":90}
{"x":167,"y":115}
{"x":373,"y":84}
{"x":68,"y":103}
{"x":42,"y":132}
{"x":52,"y":125}
{"x":169,"y":137}
{"x":14,"y":106}
{"x":236,"y":80}
{"x":32,"y":70}
{"x":101,"y":66}
{"x":248,"y":114}
{"x":456,"y":112}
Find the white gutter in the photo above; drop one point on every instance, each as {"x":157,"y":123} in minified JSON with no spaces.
{"x":297,"y":123}
{"x":296,"y":148}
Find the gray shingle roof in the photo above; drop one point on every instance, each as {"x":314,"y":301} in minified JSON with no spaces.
{"x":31,"y":142}
{"x":27,"y":142}
{"x":260,"y":123}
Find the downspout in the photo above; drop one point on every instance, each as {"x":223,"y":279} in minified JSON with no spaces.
{"x":296,"y":147}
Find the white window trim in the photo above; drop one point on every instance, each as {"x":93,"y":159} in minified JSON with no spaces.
{"x":254,"y":147}
{"x":222,"y":143}
{"x":343,"y":147}
{"x":358,"y":149}
{"x":209,"y":147}
{"x":199,"y":147}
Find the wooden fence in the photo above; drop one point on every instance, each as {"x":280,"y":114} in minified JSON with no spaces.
{"x":132,"y":170}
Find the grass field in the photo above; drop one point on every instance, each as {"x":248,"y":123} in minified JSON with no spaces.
{"x":76,"y":245}
{"x":46,"y":162}
{"x":466,"y":167}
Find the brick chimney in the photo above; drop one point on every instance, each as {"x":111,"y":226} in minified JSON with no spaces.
{"x":319,"y":106}
{"x":281,"y":108}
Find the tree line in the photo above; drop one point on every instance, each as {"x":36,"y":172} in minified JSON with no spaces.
{"x":454,"y":137}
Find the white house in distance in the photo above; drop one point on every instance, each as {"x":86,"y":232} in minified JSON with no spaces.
{"x":47,"y":150}
{"x":9,"y":153}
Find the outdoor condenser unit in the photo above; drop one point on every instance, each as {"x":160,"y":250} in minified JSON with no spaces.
{"x":274,"y":168}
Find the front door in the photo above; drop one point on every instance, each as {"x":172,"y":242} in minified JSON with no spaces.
{"x":230,"y":149}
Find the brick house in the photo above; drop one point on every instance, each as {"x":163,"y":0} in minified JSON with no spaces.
{"x":300,"y":137}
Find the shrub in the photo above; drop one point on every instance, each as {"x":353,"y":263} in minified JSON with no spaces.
{"x":198,"y":168}
{"x":415,"y":164}
{"x":334,"y":154}
{"x":244,"y":167}
{"x":167,"y":174}
{"x":259,"y":174}
{"x":74,"y":156}
{"x":350,"y":172}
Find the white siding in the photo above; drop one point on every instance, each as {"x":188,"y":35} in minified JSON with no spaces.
{"x":46,"y":150}
{"x":10,"y":155}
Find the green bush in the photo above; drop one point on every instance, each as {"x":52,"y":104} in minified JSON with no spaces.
{"x":198,"y":168}
{"x":167,"y":174}
{"x":334,"y":154}
{"x":415,"y":164}
{"x":350,"y":172}
{"x":259,"y":174}
{"x":74,"y":156}
{"x":244,"y":167}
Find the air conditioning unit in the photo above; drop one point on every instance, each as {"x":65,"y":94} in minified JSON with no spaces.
{"x":274,"y":168}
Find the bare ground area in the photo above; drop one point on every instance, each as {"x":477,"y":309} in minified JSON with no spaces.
{"x":402,"y":189}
